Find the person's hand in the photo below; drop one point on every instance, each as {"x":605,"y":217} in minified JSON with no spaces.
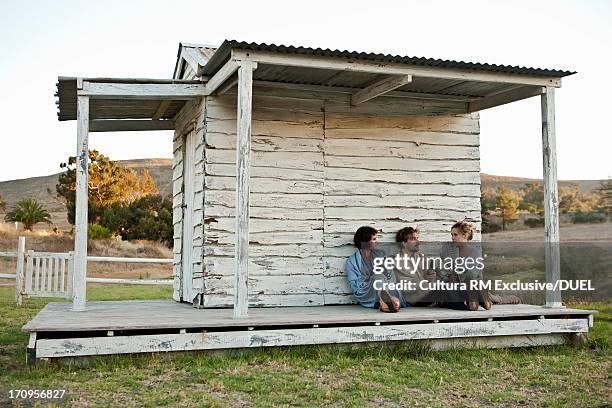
{"x":430,"y":276}
{"x":453,"y":278}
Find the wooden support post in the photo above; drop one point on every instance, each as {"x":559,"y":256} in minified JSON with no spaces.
{"x":243,"y":164}
{"x":551,"y":202}
{"x":31,"y":350}
{"x":29,"y":271}
{"x":79,"y":283}
{"x":19,"y":272}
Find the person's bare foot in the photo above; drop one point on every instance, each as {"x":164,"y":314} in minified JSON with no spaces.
{"x":504,"y":299}
{"x":388,"y":303}
{"x":396,"y":303}
{"x":485,"y":300}
{"x":472,"y":301}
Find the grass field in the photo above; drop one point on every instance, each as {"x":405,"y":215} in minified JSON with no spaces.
{"x":395,"y":375}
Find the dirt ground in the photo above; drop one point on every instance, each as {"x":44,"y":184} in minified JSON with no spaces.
{"x":568,"y":232}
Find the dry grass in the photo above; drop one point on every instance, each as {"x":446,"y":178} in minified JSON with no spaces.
{"x":49,"y":241}
{"x":568,"y":232}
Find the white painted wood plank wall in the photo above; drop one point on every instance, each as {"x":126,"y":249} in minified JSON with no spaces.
{"x":320,"y":169}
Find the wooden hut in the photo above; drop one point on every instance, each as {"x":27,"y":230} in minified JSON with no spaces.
{"x":280,"y":153}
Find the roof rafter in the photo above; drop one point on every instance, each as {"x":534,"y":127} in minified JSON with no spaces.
{"x":161,"y":109}
{"x":380,"y":88}
{"x":503,"y":98}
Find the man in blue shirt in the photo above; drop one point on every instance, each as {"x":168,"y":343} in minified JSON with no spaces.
{"x":369,"y":288}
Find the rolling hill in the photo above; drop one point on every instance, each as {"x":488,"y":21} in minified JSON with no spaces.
{"x":514,"y":183}
{"x":43,"y":188}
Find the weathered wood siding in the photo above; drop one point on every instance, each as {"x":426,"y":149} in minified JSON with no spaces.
{"x":390,"y":172}
{"x":320,"y":169}
{"x":190,"y":119}
{"x":286,"y":227}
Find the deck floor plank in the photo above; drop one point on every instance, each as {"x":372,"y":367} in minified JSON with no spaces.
{"x":161,"y":314}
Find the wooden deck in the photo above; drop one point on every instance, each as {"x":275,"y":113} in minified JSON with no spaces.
{"x":115,"y":327}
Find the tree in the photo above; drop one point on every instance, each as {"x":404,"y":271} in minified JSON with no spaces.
{"x":532,"y":198}
{"x":29,"y":212}
{"x":149,"y":217}
{"x":571,"y":199}
{"x":154,"y":215}
{"x":604,"y":191}
{"x":487,"y":200}
{"x":108,"y":184}
{"x":487,"y":205}
{"x":507,"y":203}
{"x":2,"y":204}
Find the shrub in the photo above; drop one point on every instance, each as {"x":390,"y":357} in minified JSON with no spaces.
{"x":588,"y":217}
{"x":149,"y":218}
{"x":534,"y":222}
{"x":95,"y":231}
{"x":489,"y":226}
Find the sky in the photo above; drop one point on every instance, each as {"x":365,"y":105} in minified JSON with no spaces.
{"x":41,"y":40}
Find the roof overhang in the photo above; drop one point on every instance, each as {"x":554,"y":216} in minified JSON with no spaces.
{"x":364,"y":76}
{"x":368,"y":75}
{"x":123,"y":104}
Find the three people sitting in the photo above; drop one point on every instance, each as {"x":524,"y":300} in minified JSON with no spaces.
{"x":370,"y":286}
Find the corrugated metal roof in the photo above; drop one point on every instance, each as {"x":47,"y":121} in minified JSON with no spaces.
{"x":212,"y":59}
{"x":222,"y":54}
{"x":206,"y":52}
{"x":112,"y":108}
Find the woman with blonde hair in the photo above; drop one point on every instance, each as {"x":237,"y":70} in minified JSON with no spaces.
{"x":460,"y":250}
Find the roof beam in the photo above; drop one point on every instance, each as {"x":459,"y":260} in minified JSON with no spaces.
{"x":341,"y":64}
{"x":503,"y":98}
{"x":229,"y":84}
{"x":129,"y":80}
{"x":380,"y":88}
{"x":122,"y":125}
{"x":99,"y":90}
{"x":345,"y":90}
{"x":221,"y":76}
{"x":161,"y":109}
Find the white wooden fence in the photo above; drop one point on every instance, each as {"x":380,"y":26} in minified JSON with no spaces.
{"x":50,"y":274}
